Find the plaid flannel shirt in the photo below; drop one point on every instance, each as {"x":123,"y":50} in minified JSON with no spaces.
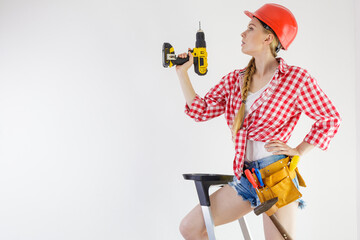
{"x":275,"y":113}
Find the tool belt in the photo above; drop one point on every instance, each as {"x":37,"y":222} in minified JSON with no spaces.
{"x":277,"y":179}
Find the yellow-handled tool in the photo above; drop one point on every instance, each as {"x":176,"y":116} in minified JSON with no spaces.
{"x":294,"y":162}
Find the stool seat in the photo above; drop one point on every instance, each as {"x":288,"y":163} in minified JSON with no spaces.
{"x":203,"y":181}
{"x":206,"y":177}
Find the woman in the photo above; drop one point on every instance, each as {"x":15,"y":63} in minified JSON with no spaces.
{"x":262,"y":104}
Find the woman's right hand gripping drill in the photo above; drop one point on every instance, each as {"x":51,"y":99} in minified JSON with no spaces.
{"x":183,"y":76}
{"x":185,"y":67}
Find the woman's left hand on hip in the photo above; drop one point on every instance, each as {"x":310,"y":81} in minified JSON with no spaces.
{"x":279,"y":148}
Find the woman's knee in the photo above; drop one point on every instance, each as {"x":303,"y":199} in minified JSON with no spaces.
{"x":185,"y":229}
{"x":193,"y":226}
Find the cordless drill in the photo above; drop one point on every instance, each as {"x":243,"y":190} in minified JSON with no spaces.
{"x":199,"y":52}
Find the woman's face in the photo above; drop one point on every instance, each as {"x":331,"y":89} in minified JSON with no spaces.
{"x":254,"y":38}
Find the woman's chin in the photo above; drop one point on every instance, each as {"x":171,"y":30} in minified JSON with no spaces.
{"x":244,"y":51}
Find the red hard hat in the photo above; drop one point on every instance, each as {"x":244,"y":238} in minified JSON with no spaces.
{"x":280,"y":20}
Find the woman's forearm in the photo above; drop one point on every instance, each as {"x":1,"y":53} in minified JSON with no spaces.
{"x":186,"y":86}
{"x":304,"y":147}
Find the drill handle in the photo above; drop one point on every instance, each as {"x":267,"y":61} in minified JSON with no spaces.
{"x":180,"y":61}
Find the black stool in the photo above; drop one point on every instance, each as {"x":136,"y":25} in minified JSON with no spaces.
{"x":202,"y":183}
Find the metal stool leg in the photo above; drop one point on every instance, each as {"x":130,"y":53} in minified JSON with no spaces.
{"x":209,"y":223}
{"x":244,"y":228}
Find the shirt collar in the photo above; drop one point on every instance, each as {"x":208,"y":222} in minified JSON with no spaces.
{"x":283,"y":67}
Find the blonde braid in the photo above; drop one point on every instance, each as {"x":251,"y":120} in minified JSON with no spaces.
{"x":249,"y":72}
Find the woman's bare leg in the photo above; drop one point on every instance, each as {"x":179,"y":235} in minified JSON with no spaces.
{"x":286,"y":216}
{"x":226,"y":206}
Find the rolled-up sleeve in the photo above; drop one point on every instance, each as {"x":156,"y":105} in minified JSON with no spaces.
{"x":212,"y":105}
{"x":316,"y":104}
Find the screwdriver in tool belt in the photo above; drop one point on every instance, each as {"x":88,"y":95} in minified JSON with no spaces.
{"x":258,"y":175}
{"x":251,"y":179}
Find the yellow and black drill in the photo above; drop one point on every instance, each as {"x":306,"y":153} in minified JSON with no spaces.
{"x":199,"y":52}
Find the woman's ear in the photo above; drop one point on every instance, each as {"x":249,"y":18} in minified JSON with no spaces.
{"x":269,"y":38}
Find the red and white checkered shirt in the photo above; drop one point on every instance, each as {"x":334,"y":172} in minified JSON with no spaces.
{"x":274,"y":114}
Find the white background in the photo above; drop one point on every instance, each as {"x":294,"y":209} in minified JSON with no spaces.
{"x":93,"y":137}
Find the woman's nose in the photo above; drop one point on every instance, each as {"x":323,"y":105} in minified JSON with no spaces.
{"x":243,"y":34}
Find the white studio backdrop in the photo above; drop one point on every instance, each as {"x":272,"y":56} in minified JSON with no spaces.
{"x":93,"y":135}
{"x":357,"y":52}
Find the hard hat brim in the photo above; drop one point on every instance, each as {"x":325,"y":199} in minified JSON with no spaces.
{"x":249,"y":14}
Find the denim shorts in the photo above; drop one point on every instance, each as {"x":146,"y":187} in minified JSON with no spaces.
{"x":244,"y":188}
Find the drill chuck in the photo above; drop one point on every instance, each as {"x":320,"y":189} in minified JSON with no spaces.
{"x":200,"y":39}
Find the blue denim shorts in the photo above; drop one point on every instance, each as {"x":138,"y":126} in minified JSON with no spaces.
{"x":244,"y":188}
